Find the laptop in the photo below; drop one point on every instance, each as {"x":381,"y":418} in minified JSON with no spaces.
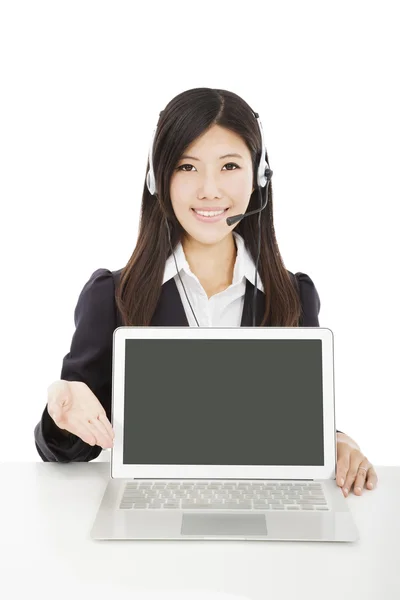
{"x":223,"y":434}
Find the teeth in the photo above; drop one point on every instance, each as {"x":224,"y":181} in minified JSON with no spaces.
{"x":208,"y":213}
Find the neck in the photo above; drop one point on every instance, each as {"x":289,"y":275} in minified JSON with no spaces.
{"x":213,"y":264}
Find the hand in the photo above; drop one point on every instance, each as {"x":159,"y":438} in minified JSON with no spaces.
{"x":74,"y":407}
{"x":349,"y":461}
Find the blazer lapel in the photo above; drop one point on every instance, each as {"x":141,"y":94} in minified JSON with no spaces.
{"x":247,"y":315}
{"x":170,"y":311}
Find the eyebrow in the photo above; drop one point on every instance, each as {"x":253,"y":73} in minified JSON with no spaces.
{"x":224,"y":156}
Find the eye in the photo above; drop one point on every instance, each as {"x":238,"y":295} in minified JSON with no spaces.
{"x":189,"y":165}
{"x":182,"y":169}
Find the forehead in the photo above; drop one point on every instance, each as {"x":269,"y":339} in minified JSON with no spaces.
{"x":217,"y":141}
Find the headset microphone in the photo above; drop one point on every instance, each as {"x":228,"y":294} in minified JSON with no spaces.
{"x":236,"y":218}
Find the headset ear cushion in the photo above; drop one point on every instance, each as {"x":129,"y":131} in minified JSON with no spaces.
{"x":150,"y":187}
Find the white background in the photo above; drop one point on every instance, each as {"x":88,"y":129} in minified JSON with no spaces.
{"x":82,"y":85}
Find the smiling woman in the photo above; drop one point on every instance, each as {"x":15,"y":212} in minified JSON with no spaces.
{"x":206,"y":150}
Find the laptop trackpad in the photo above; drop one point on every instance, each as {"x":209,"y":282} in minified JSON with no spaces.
{"x":223,"y":524}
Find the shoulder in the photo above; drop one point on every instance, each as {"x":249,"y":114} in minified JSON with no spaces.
{"x":100,"y":283}
{"x":104,"y":279}
{"x":96,"y":302}
{"x":303,"y":281}
{"x":100,"y":275}
{"x":309,"y":297}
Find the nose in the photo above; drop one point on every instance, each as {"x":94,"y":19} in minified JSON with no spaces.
{"x":210,"y":187}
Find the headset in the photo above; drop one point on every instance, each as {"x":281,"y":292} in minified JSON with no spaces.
{"x":264,"y":175}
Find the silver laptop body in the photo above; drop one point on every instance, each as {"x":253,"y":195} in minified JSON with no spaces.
{"x":223,"y":433}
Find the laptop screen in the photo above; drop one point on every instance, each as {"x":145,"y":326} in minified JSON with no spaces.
{"x":223,"y":402}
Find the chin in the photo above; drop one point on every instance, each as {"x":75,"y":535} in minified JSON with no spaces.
{"x":210,"y":238}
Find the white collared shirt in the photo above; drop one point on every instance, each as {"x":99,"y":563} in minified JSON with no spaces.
{"x":223,"y":309}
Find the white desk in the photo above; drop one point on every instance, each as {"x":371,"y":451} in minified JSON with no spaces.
{"x":47,"y":510}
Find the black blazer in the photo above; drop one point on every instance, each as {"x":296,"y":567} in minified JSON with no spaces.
{"x":90,"y":357}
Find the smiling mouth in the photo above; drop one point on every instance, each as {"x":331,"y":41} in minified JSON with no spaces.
{"x":204,"y":210}
{"x":220,"y":216}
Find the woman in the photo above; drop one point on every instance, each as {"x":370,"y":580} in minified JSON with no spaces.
{"x":205,"y":159}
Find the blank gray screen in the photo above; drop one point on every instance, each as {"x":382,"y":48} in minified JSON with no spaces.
{"x":223,"y":402}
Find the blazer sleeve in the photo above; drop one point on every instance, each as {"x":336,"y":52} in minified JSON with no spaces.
{"x":310,"y":302}
{"x":90,"y":361}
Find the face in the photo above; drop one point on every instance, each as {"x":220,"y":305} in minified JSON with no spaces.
{"x":210,"y":180}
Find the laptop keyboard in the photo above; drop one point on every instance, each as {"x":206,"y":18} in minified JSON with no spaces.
{"x":224,"y":495}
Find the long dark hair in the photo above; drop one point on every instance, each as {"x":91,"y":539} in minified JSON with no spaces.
{"x":186,"y":117}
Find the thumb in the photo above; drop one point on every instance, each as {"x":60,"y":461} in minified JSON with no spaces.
{"x":55,"y":411}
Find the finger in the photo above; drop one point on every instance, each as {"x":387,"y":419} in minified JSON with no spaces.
{"x":104,"y":430}
{"x":361,"y":477}
{"x":98,"y":429}
{"x":55,"y":412}
{"x":103,"y":419}
{"x":342,"y":469}
{"x":372,"y":478}
{"x":85,"y":431}
{"x":355,"y":461}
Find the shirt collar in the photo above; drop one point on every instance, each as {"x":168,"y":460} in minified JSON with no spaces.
{"x":244,"y":264}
